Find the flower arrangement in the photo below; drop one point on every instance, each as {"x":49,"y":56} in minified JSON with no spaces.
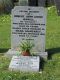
{"x":26,"y":47}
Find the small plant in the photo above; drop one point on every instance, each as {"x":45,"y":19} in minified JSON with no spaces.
{"x":26,"y":47}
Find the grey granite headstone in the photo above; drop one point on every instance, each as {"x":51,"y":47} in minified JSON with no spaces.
{"x":29,"y":23}
{"x":25,"y":63}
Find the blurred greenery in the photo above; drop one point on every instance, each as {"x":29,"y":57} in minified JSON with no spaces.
{"x":5,"y":31}
{"x":6,"y":6}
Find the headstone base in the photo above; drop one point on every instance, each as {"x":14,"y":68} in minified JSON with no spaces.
{"x":43,"y":55}
{"x":12,"y":52}
{"x":25,"y":63}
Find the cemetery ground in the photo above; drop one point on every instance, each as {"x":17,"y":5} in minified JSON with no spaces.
{"x":50,"y":68}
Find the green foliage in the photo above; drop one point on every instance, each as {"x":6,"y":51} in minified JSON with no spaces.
{"x":5,"y":31}
{"x":26,"y":45}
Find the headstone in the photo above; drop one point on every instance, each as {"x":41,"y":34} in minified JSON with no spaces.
{"x":41,"y":3}
{"x":23,"y":2}
{"x":29,"y":23}
{"x":24,"y":63}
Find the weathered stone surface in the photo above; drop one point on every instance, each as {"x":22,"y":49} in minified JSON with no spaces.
{"x":10,"y":53}
{"x":29,"y":23}
{"x":25,"y":63}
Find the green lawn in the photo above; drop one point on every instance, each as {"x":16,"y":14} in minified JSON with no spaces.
{"x":51,"y":67}
{"x":5,"y":30}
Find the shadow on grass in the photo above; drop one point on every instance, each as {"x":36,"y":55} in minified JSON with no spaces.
{"x":52,"y":51}
{"x":3,"y":50}
{"x":42,"y":63}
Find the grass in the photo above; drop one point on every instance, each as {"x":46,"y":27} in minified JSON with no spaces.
{"x":53,"y":32}
{"x":51,"y":67}
{"x":5,"y":30}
